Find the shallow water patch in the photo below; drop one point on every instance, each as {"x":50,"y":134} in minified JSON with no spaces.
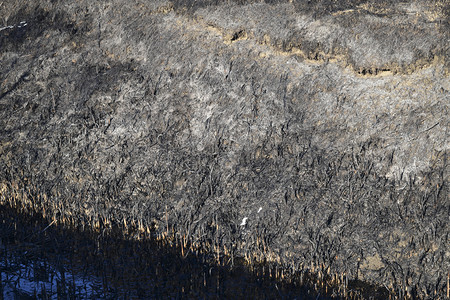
{"x":39,"y":260}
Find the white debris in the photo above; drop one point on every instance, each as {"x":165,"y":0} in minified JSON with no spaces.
{"x":7,"y":27}
{"x":21,"y":24}
{"x":259,"y":210}
{"x":244,"y":221}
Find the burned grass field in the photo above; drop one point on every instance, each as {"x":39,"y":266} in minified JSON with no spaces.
{"x":42,"y":259}
{"x":305,"y":138}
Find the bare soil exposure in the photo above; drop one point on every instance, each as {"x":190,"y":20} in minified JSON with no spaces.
{"x":311,"y":136}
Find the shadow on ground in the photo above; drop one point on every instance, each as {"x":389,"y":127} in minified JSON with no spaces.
{"x":42,"y":260}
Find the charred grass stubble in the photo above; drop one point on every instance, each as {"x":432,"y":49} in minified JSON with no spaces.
{"x":137,"y":268}
{"x":112,"y":235}
{"x":134,"y":261}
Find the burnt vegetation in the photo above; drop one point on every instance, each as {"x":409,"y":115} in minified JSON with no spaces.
{"x":113,"y":118}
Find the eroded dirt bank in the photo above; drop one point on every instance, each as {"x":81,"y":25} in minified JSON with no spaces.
{"x":310,"y":134}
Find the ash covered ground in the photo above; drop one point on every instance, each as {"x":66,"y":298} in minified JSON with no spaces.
{"x":311,"y":134}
